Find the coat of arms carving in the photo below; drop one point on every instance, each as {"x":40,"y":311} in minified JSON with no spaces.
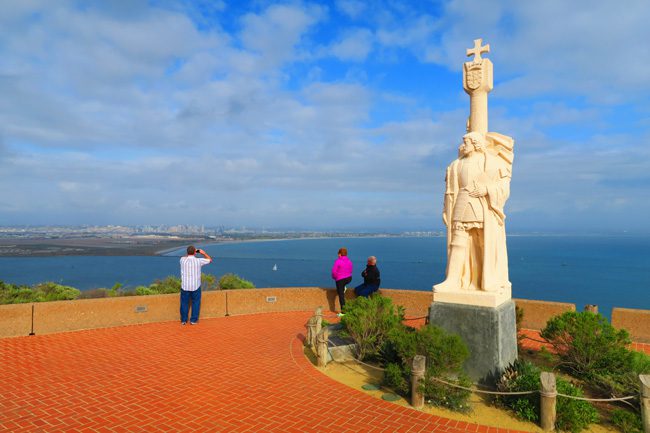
{"x":474,"y":75}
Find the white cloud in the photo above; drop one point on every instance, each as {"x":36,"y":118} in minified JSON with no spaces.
{"x":275,"y":35}
{"x":351,"y":8}
{"x":124,"y":112}
{"x":354,"y":46}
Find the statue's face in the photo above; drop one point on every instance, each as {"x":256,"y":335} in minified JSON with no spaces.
{"x":468,"y":146}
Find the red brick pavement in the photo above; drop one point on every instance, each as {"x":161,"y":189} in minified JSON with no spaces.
{"x":231,"y":374}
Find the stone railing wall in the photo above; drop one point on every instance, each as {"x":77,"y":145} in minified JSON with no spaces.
{"x":63,"y":316}
{"x":537,"y":313}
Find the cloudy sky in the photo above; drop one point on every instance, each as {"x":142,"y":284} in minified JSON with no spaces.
{"x":317,"y":115}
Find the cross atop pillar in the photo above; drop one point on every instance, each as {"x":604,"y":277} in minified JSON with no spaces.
{"x":478,"y":50}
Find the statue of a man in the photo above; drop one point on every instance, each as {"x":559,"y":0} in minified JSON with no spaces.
{"x":477,"y":187}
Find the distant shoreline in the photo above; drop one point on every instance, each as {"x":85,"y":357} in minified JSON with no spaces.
{"x":163,"y":245}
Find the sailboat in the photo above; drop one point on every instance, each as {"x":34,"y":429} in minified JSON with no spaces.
{"x":275,"y":267}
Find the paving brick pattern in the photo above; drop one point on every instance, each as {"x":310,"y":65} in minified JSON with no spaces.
{"x":231,"y":374}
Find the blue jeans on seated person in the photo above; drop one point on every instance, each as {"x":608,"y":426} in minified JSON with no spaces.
{"x":366,"y":289}
{"x":195,"y":297}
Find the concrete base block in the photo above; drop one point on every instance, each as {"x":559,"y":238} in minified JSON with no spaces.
{"x":489,"y":333}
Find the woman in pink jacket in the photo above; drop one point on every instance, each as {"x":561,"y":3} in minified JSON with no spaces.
{"x":342,"y":274}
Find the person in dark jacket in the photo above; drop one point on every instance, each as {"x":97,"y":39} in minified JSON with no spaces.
{"x":371,"y":279}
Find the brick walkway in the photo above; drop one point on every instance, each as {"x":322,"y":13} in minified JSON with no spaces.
{"x":232,"y":374}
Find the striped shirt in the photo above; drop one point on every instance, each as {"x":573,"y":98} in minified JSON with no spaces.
{"x":191,"y":272}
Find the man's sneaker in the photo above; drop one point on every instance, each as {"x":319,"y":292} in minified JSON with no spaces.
{"x":193,"y":323}
{"x":340,"y":314}
{"x":183,"y":323}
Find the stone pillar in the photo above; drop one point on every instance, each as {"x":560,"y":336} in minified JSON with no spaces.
{"x":645,"y":401}
{"x":311,"y":332}
{"x":417,"y":376}
{"x":548,"y":397}
{"x":478,"y":81}
{"x":591,"y":308}
{"x":489,"y":333}
{"x":321,"y":347}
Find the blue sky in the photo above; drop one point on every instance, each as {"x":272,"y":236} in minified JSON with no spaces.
{"x":317,"y":115}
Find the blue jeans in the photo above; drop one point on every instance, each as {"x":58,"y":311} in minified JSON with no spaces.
{"x":195,"y":296}
{"x":366,"y":289}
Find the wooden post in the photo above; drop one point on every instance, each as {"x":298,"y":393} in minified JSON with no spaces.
{"x":591,"y":308}
{"x":417,"y":376}
{"x":548,"y":396}
{"x":318,"y":314}
{"x":321,"y":346}
{"x":645,"y":401}
{"x":311,"y":332}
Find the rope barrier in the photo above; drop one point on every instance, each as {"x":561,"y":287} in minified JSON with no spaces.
{"x":407,"y":319}
{"x":534,"y":339}
{"x":631,"y":397}
{"x":482,"y":391}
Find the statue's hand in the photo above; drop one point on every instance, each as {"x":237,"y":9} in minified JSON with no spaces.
{"x":478,"y":191}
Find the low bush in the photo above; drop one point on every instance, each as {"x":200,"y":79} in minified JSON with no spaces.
{"x":368,"y":321}
{"x":234,"y":281}
{"x":445,"y":354}
{"x":170,"y":284}
{"x":572,"y":415}
{"x":42,"y":292}
{"x":591,"y":349}
{"x":94,"y":293}
{"x":626,"y":421}
{"x":209,"y":282}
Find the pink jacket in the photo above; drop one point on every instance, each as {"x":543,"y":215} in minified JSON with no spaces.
{"x":342,"y":268}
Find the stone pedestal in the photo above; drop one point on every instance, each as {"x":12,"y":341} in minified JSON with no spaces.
{"x":490,"y":334}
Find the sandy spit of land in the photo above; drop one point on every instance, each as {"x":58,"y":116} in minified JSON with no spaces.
{"x":91,"y":246}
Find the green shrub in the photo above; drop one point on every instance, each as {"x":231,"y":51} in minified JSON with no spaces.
{"x":520,"y":377}
{"x":572,"y":415}
{"x":445,"y":354}
{"x":170,"y":284}
{"x":42,"y":292}
{"x":368,"y":320}
{"x":234,"y":281}
{"x":626,"y":421}
{"x":209,"y":282}
{"x":50,"y":291}
{"x":397,"y":378}
{"x":443,"y":395}
{"x":144,"y":291}
{"x":591,"y":349}
{"x":94,"y":293}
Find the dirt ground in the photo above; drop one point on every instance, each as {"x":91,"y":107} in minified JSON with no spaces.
{"x":356,"y":375}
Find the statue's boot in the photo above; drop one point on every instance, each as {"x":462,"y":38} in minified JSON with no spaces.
{"x":456,"y":263}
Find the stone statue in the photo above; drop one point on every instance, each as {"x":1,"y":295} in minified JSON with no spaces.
{"x":477,"y":188}
{"x":475,"y":299}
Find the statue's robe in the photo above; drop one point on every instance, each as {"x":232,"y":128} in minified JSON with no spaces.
{"x":492,"y":265}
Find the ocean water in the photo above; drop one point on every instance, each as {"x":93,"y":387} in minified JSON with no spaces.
{"x":607,"y":271}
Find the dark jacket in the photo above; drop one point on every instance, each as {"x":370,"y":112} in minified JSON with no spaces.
{"x":371,"y":275}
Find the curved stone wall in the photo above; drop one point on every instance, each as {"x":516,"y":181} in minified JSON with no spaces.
{"x":64,"y":316}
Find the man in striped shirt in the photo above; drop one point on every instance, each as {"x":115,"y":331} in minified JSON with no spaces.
{"x":191,"y":283}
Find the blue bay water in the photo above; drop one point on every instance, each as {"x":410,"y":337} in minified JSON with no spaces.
{"x":607,"y":271}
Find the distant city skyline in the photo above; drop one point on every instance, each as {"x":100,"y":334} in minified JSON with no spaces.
{"x":323,"y":115}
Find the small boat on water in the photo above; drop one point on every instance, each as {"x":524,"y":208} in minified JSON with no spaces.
{"x":275,"y":267}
